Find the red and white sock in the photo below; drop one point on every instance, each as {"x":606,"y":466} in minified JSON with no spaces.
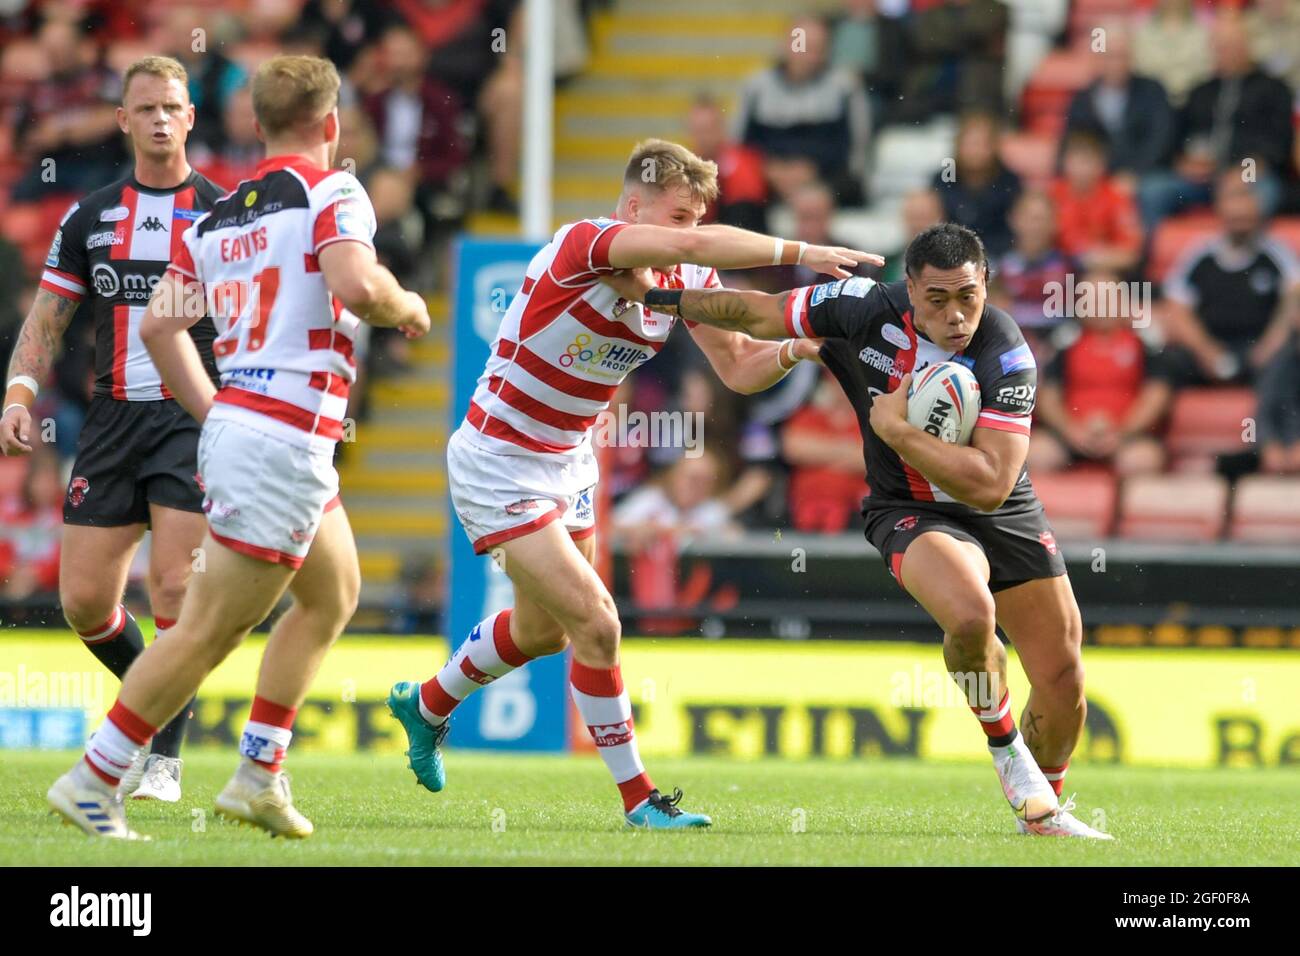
{"x":489,"y":653}
{"x":998,"y":724}
{"x":117,"y":742}
{"x":1056,"y":776}
{"x":267,"y":734}
{"x":110,"y":629}
{"x":607,"y":711}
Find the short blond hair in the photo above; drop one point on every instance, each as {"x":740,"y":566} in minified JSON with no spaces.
{"x":293,"y":91}
{"x":163,"y":67}
{"x":657,"y":164}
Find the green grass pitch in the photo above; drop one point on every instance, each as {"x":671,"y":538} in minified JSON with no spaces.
{"x":503,"y":810}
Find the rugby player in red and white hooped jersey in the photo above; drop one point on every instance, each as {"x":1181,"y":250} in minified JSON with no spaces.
{"x":287,"y":266}
{"x":521,"y":466}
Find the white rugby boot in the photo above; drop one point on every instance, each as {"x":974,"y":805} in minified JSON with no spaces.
{"x":1062,"y":823}
{"x":161,"y":780}
{"x":130,"y":782}
{"x":262,"y":799}
{"x":92,"y":809}
{"x":1026,"y":789}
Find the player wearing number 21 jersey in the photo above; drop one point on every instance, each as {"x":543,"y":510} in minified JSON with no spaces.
{"x":959,"y":526}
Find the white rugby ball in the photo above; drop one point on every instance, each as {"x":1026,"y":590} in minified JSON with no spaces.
{"x":944,"y":400}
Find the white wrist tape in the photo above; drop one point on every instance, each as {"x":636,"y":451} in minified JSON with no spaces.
{"x":778,"y":245}
{"x":803,"y":247}
{"x":27,"y":382}
{"x":12,"y":405}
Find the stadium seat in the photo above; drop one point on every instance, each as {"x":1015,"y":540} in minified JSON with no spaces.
{"x":1030,"y":156}
{"x":1080,"y":504}
{"x":1208,"y":421}
{"x":1175,"y":236}
{"x":1047,"y":96}
{"x":1287,"y":230}
{"x":1266,"y":509}
{"x":1173,"y":507}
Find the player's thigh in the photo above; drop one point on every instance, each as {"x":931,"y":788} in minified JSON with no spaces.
{"x":93,"y":567}
{"x":1041,"y":619}
{"x":232,"y":594}
{"x":948,"y":576}
{"x":548,"y":568}
{"x":535,"y":621}
{"x":329,"y":581}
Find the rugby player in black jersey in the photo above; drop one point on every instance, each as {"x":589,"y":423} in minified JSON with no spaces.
{"x":136,"y":454}
{"x":960,"y":527}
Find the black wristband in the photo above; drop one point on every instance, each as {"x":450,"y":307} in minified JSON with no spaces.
{"x":664,"y":300}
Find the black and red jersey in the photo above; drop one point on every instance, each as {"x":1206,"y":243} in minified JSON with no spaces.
{"x":111,"y":249}
{"x":871,"y":343}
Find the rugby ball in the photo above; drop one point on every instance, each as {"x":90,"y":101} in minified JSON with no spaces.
{"x":944,"y":400}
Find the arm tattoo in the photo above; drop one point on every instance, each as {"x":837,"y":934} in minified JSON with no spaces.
{"x":41,"y":335}
{"x":720,"y":308}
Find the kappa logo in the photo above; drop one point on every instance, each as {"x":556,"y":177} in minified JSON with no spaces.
{"x":611,"y":735}
{"x":151,"y":224}
{"x":77,"y":491}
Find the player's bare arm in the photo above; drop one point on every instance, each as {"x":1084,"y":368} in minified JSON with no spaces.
{"x":176,"y":305}
{"x":980,"y":475}
{"x":757,"y":314}
{"x":372,"y":293}
{"x":726,"y":247}
{"x":38,"y":343}
{"x":747,"y":365}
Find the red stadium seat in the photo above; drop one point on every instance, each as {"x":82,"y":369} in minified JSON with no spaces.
{"x":1175,"y":236}
{"x":1047,"y":95}
{"x":1287,"y":229}
{"x":1266,"y":508}
{"x":1030,"y":156}
{"x":1173,"y":507}
{"x":1079,"y":504}
{"x":1208,"y":421}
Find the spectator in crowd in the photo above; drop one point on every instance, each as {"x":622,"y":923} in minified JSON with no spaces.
{"x":185,"y":31}
{"x":66,"y":127}
{"x":1096,"y":219}
{"x":684,"y":504}
{"x":1033,"y":268}
{"x":1278,"y":411}
{"x":1274,"y":30}
{"x":416,"y":117}
{"x":1224,"y":315}
{"x":920,"y":209}
{"x":1132,"y":112}
{"x":346,"y":25}
{"x":463,"y":39}
{"x":979,"y":191}
{"x":822,"y":443}
{"x":813,"y":206}
{"x":31,"y":526}
{"x":958,"y":51}
{"x":358,"y":145}
{"x":809,"y":120}
{"x":1239,"y":114}
{"x":238,"y":151}
{"x":1173,"y":47}
{"x":855,"y":39}
{"x":742,"y":189}
{"x":1105,"y":393}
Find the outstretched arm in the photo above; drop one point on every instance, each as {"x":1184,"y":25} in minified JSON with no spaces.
{"x":38,"y":344}
{"x":746,"y":365}
{"x":726,"y":247}
{"x":757,"y":314}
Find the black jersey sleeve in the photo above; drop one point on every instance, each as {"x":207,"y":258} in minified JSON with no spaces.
{"x":1007,"y":374}
{"x":835,"y":310}
{"x":67,"y":266}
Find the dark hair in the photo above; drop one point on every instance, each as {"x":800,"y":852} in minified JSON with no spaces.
{"x":945,"y":246}
{"x":1088,"y":139}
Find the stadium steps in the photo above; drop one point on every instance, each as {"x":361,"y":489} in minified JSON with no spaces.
{"x":393,"y":478}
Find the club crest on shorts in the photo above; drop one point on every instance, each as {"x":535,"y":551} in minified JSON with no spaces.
{"x":1048,"y":541}
{"x":519,"y":507}
{"x":77,"y":489}
{"x":907,"y":523}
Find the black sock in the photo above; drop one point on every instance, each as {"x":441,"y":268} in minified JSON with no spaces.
{"x":167,"y":742}
{"x":1005,"y":739}
{"x":116,"y":653}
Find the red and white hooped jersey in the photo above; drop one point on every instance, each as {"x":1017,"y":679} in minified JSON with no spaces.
{"x":565,"y":345}
{"x":284,"y":343}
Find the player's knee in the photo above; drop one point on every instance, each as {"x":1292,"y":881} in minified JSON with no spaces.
{"x":599,"y":630}
{"x":974,"y":620}
{"x":85,"y":605}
